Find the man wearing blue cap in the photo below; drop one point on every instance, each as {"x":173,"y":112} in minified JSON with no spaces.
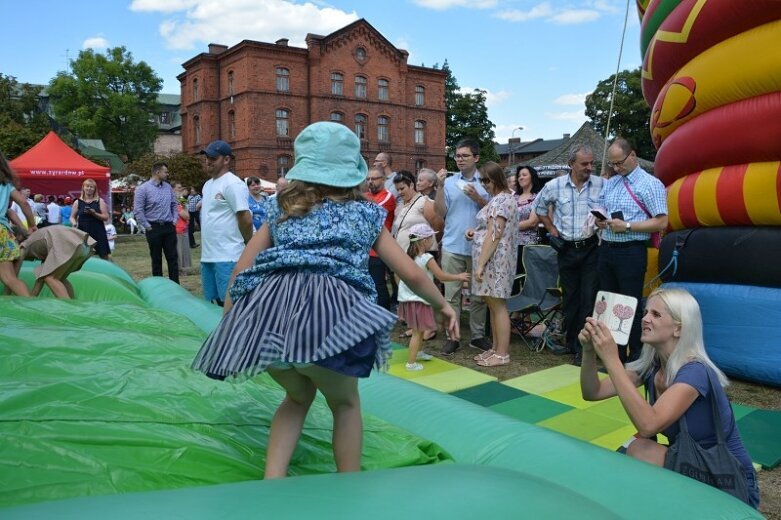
{"x":226,"y":222}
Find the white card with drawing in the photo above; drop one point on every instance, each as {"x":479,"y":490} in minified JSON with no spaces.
{"x":617,"y":312}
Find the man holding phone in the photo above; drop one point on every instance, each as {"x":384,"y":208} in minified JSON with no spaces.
{"x":637,"y":204}
{"x":573,"y":197}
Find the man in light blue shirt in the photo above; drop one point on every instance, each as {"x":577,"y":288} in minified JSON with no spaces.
{"x":636,"y":206}
{"x":458,"y":202}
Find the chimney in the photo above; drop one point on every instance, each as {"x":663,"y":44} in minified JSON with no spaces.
{"x":514,"y":140}
{"x":567,"y":136}
{"x":216,"y":48}
{"x":282,"y":42}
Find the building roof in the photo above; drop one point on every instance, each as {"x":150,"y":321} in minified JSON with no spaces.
{"x":556,"y":159}
{"x":535,"y":146}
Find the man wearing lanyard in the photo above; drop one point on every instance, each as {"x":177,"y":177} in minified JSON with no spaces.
{"x":154,"y":207}
{"x":458,"y":202}
{"x":636,"y":204}
{"x":572,"y":197}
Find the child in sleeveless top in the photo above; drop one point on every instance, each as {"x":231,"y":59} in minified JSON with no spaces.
{"x":301,"y":303}
{"x":412,"y":308}
{"x":9,"y":247}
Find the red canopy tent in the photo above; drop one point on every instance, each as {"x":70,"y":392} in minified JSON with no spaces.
{"x":51,"y":167}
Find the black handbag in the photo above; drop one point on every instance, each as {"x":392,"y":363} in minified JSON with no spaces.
{"x":715,"y":466}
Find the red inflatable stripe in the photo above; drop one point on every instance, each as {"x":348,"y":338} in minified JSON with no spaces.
{"x":687,"y":211}
{"x":729,"y":195}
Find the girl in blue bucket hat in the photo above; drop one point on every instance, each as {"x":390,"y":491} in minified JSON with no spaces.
{"x":302,"y":305}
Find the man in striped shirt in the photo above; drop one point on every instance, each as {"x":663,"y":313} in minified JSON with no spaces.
{"x":636,"y":204}
{"x":573,"y":197}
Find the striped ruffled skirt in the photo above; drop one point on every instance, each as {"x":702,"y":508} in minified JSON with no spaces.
{"x":298,"y":318}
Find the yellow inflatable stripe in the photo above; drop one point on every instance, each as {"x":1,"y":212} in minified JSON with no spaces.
{"x":681,"y":36}
{"x":760,"y":192}
{"x":747,"y":57}
{"x":705,"y":198}
{"x":673,"y":199}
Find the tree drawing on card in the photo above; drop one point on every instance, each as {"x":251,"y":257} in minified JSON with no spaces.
{"x":619,"y":320}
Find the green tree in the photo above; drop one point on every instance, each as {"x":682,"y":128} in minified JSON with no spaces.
{"x":631,"y":114}
{"x":22,"y":123}
{"x":466,"y":116}
{"x":182,"y":167}
{"x":109,"y":97}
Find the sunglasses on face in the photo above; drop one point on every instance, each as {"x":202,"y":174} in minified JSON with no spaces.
{"x":484,"y":181}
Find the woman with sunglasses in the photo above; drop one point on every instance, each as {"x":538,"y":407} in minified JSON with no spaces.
{"x":256,"y":201}
{"x":494,"y":255}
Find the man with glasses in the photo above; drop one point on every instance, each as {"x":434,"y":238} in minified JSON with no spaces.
{"x":458,"y":202}
{"x":572,"y":198}
{"x":636,"y":206}
{"x":379,"y":195}
{"x":383,"y":161}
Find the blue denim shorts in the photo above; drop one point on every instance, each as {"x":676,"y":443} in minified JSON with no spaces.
{"x":215,"y":277}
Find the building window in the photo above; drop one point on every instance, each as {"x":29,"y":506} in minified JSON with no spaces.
{"x":230,"y":83}
{"x":419,"y":165}
{"x":360,"y":86}
{"x":197,"y":129}
{"x":195,"y":89}
{"x":382,"y":90}
{"x":420,"y":96}
{"x":164,"y":118}
{"x":420,"y":132}
{"x":383,"y":135}
{"x":337,"y":84}
{"x":360,"y":126}
{"x":283,"y":79}
{"x":283,"y":165}
{"x":337,"y":117}
{"x":283,"y":123}
{"x":232,"y":124}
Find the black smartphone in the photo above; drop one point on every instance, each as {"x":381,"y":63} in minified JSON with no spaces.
{"x":598,"y":214}
{"x":617,"y":215}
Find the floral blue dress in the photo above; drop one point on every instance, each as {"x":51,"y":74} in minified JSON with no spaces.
{"x":308,"y":298}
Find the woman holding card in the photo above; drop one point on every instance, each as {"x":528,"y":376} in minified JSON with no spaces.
{"x":685,"y":389}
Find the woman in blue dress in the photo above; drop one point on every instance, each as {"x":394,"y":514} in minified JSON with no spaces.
{"x":302,"y":305}
{"x":257,"y":201}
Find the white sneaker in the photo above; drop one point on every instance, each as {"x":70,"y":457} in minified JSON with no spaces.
{"x":422,"y":356}
{"x":414,"y":367}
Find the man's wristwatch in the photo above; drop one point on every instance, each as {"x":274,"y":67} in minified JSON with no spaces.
{"x":629,"y":226}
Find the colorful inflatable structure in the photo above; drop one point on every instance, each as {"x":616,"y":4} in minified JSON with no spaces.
{"x":103,"y":418}
{"x":712,"y":73}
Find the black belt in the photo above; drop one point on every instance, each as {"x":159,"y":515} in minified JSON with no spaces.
{"x":580,"y":244}
{"x":161,"y":223}
{"x":630,"y":243}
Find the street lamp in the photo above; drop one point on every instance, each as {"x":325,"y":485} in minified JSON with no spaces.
{"x":510,"y":143}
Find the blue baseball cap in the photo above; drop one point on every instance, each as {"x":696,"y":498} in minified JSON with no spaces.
{"x":330,"y":154}
{"x":216,"y":148}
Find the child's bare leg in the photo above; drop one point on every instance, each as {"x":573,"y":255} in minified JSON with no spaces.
{"x":416,"y":340}
{"x":341,"y":393}
{"x":288,"y":420}
{"x":9,"y":279}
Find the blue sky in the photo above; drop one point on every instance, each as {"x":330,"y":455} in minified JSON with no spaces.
{"x":537,"y":59}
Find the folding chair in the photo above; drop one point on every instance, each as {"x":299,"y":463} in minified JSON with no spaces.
{"x":540,"y":297}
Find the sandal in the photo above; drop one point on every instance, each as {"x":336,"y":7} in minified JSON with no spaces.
{"x":494,"y":360}
{"x":482,"y":356}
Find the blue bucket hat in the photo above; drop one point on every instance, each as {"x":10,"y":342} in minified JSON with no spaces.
{"x":330,"y":154}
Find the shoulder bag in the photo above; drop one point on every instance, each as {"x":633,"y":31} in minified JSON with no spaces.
{"x":656,"y":237}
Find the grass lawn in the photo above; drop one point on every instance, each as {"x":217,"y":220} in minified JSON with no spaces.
{"x":132,"y":254}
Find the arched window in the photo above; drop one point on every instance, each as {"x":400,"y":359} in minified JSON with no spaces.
{"x":419,"y":165}
{"x":195,"y":89}
{"x":420,"y":132}
{"x":360,"y":86}
{"x":283,"y":79}
{"x":197,"y":129}
{"x":337,"y":84}
{"x":337,"y":117}
{"x":420,"y":95}
{"x":283,"y":122}
{"x":360,"y":126}
{"x":232,"y":124}
{"x":230,"y":83}
{"x":383,"y":135}
{"x":383,"y":91}
{"x":283,"y":165}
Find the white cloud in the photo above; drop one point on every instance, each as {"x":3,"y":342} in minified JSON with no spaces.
{"x":578,"y":115}
{"x":559,"y":16}
{"x":542,"y":10}
{"x":491,"y":98}
{"x":571,"y":99}
{"x":198,"y":22}
{"x":606,"y":7}
{"x":503,"y":133}
{"x":96,"y":42}
{"x":575,"y":16}
{"x":441,"y":5}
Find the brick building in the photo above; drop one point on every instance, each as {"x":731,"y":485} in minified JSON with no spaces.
{"x":258,"y":96}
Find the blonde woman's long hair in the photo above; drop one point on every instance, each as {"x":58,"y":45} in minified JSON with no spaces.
{"x":94,"y":185}
{"x":685,"y":311}
{"x":299,"y":197}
